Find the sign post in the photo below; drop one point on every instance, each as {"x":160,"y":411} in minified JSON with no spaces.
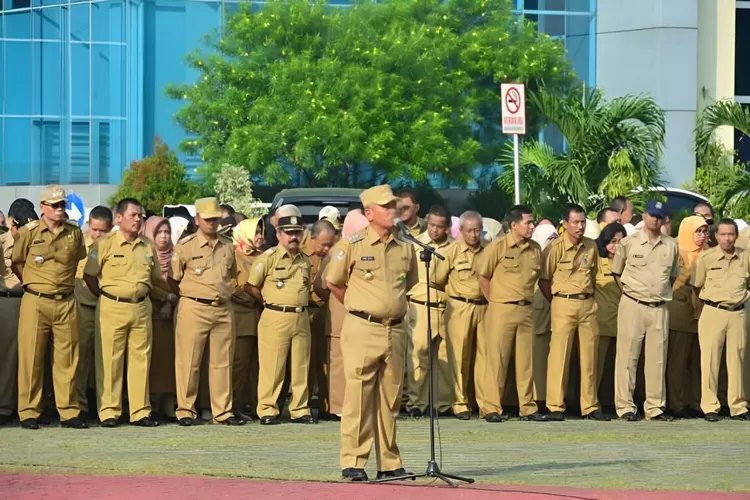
{"x":514,"y":122}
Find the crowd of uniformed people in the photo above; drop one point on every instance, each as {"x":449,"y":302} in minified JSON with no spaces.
{"x":187,"y":320}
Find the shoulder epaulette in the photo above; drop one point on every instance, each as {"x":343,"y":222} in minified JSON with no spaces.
{"x":225,"y":239}
{"x":358,"y":236}
{"x":187,"y":238}
{"x":535,"y":244}
{"x":270,"y":251}
{"x":71,"y":223}
{"x":32,"y":225}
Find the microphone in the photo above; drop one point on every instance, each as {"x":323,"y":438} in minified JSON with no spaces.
{"x":406,"y":235}
{"x":400,"y":225}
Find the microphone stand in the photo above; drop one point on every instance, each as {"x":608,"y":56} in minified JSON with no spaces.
{"x":433,"y":470}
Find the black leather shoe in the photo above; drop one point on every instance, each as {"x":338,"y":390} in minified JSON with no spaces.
{"x":415,"y":413}
{"x":30,"y":423}
{"x":186,"y":422}
{"x":145,"y":422}
{"x":233,"y":421}
{"x":394,"y":473}
{"x":555,"y":416}
{"x":463,"y":415}
{"x":304,"y":419}
{"x":269,"y":420}
{"x":494,"y":418}
{"x":109,"y":423}
{"x":744,"y":416}
{"x":712,"y":417}
{"x":330,"y":417}
{"x":354,"y":475}
{"x":629,"y":417}
{"x":596,"y":415}
{"x":74,"y":423}
{"x":663,"y":417}
{"x":534,"y":417}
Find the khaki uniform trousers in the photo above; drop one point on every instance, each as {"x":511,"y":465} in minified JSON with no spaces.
{"x":541,"y":354}
{"x":569,"y":316}
{"x":86,"y":349}
{"x":723,"y":331}
{"x":509,"y":334}
{"x":39,"y":319}
{"x":126,"y":333}
{"x":374,"y":360}
{"x":683,"y":371}
{"x":480,"y":365}
{"x":465,"y":323}
{"x":316,"y":379}
{"x":637,"y":323}
{"x":335,"y":358}
{"x":161,"y":376}
{"x":283,"y":336}
{"x":10,"y":308}
{"x":418,"y":362}
{"x":198,"y":325}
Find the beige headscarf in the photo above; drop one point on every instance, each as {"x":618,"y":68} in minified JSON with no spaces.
{"x":244,"y":233}
{"x":686,"y":241}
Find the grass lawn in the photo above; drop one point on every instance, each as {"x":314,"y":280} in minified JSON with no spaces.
{"x":689,"y":455}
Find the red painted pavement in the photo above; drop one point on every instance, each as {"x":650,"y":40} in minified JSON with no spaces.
{"x":60,"y":487}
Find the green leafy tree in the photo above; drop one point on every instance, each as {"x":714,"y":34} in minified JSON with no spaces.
{"x":611,"y":148}
{"x":379,"y":91}
{"x":157,"y":180}
{"x":232,"y":186}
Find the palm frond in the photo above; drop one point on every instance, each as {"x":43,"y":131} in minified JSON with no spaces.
{"x":723,"y":113}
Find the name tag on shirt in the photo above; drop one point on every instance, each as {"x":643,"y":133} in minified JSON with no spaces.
{"x":369,"y":259}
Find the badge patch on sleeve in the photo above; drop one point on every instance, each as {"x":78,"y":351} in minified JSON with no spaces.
{"x":340,"y":255}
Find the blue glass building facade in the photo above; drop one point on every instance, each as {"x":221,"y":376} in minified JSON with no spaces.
{"x":82,"y":81}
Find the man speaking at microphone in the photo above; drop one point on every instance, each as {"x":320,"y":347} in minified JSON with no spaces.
{"x":370,"y":273}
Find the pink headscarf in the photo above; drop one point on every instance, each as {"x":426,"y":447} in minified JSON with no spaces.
{"x":455,"y":228}
{"x":354,"y":221}
{"x":150,"y":228}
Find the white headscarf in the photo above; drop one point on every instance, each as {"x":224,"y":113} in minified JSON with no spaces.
{"x":543,"y":234}
{"x":741,"y":224}
{"x":178,"y":225}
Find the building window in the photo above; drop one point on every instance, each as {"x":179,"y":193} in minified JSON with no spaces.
{"x":80,"y":153}
{"x":104,"y":153}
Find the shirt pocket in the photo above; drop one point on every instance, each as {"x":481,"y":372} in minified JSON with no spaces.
{"x":511,"y":265}
{"x":370,"y":268}
{"x":464,"y":271}
{"x":197,"y":267}
{"x":117,"y":265}
{"x":566,"y":267}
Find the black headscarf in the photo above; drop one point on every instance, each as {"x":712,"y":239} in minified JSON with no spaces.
{"x":609,"y":232}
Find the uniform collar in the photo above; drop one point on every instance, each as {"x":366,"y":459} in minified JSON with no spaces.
{"x":567,"y":244}
{"x":425,"y":238}
{"x":308,"y":248}
{"x":466,"y":248}
{"x":44,"y":227}
{"x":202,"y":241}
{"x":517,"y":243}
{"x":372,"y":237}
{"x":417,"y":224}
{"x":283,"y":252}
{"x":723,"y":256}
{"x":120,"y":239}
{"x":644,"y":238}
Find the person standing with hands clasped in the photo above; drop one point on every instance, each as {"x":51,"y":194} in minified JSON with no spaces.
{"x":121,"y":270}
{"x":370,"y":272}
{"x":568,"y":276}
{"x":280,"y":279}
{"x":202,"y":271}
{"x":45,"y":258}
{"x":645,"y":267}
{"x":721,"y":276}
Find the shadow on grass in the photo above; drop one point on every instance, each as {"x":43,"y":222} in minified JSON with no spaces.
{"x":501,"y":471}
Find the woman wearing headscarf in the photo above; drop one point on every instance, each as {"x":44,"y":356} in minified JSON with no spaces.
{"x":607,"y":297}
{"x":543,"y":234}
{"x":332,"y":408}
{"x":248,"y":237}
{"x":683,"y":352}
{"x":161,"y":376}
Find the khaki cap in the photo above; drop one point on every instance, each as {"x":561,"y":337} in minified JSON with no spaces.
{"x":208,"y":208}
{"x":52,"y":194}
{"x":289,"y":217}
{"x":377,"y":195}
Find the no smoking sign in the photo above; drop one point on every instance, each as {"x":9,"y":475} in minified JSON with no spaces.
{"x":514,"y":108}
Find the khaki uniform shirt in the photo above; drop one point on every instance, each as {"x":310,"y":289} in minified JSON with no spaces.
{"x":607,"y":297}
{"x":84,"y":296}
{"x":570,"y":268}
{"x":512,"y":268}
{"x":438,"y":267}
{"x":49,"y":261}
{"x":418,"y":228}
{"x":460,"y":270}
{"x":283,"y":278}
{"x":8,"y":279}
{"x":124,"y":269}
{"x":204,"y":272}
{"x":721,"y":278}
{"x":684,"y":309}
{"x":315,"y":263}
{"x":376,"y":273}
{"x":646,"y":269}
{"x":743,"y":239}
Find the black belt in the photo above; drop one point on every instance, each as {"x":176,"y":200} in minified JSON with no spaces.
{"x":520,"y":303}
{"x":375,"y":319}
{"x":644,"y":303}
{"x":122,"y":299}
{"x":574,"y":296}
{"x":478,"y":302}
{"x":50,"y":296}
{"x":285,"y":309}
{"x":205,"y":302}
{"x":3,"y":293}
{"x":423,"y":303}
{"x":736,"y":307}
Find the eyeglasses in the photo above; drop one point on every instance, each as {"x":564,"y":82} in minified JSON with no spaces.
{"x":58,"y":205}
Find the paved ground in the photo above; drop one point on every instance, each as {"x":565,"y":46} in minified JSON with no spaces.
{"x":684,"y":455}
